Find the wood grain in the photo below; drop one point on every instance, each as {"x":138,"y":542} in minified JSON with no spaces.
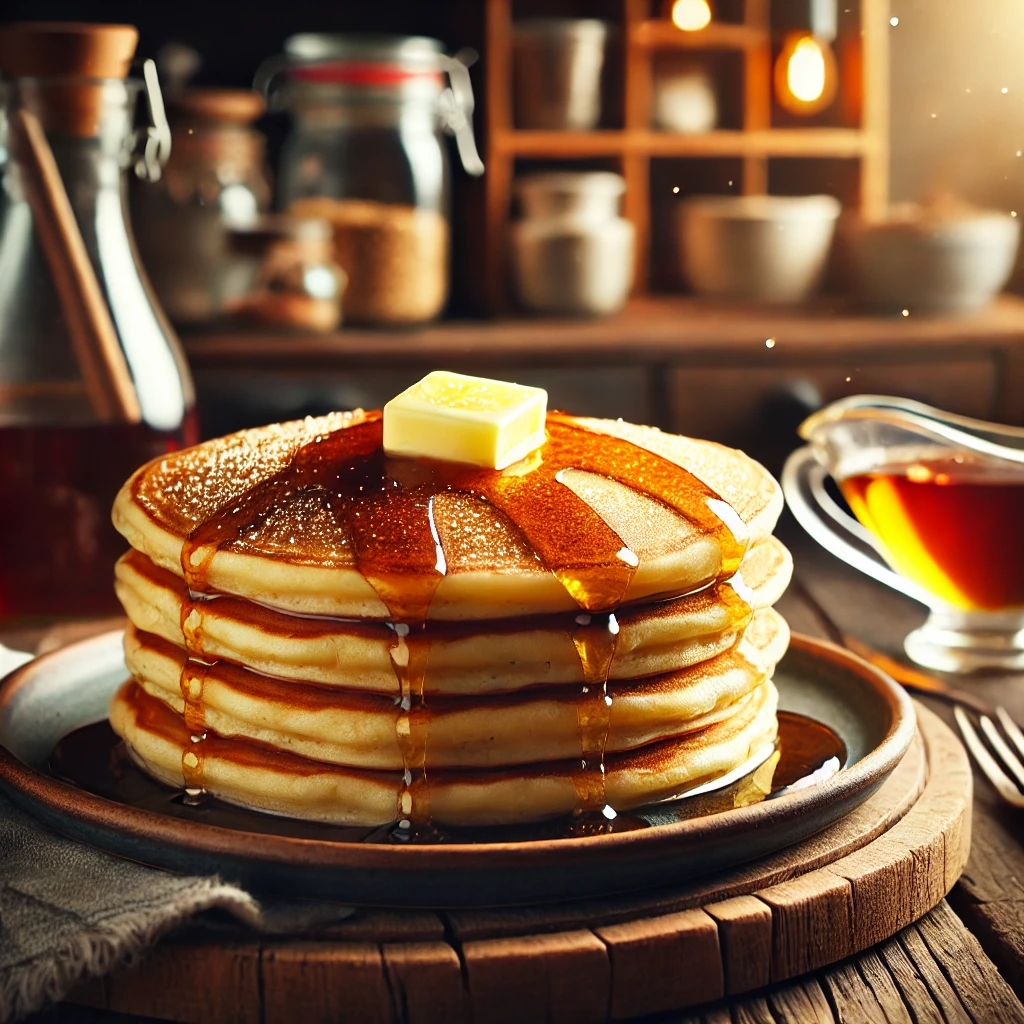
{"x":425,"y":979}
{"x":984,"y":993}
{"x":745,"y":937}
{"x":323,"y":984}
{"x":804,"y":1002}
{"x":560,"y":977}
{"x":191,"y":979}
{"x":812,"y":917}
{"x":661,"y":963}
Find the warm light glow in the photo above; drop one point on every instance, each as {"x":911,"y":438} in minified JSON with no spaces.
{"x":691,"y":15}
{"x":805,"y":74}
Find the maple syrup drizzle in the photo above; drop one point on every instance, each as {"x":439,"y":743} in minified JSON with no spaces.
{"x":383,"y":507}
{"x":192,"y":682}
{"x":94,"y":758}
{"x":595,"y":638}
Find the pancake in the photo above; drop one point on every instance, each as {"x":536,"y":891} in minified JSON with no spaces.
{"x":295,"y":553}
{"x":537,"y":724}
{"x":479,"y":657}
{"x":261,"y":778}
{"x":324,"y":631}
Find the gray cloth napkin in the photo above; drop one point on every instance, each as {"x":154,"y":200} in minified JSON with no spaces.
{"x":69,"y":911}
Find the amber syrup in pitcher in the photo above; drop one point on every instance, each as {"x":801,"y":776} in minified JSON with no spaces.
{"x":57,"y":484}
{"x":953,"y":523}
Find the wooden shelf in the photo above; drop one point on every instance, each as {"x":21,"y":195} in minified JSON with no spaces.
{"x":654,"y":330}
{"x":768,"y":142}
{"x":663,"y":35}
{"x":864,"y":87}
{"x":560,"y":144}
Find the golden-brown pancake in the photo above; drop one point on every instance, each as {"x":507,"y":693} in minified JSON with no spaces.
{"x":537,"y":724}
{"x":324,"y":631}
{"x":262,"y":778}
{"x":298,"y":557}
{"x":465,"y":658}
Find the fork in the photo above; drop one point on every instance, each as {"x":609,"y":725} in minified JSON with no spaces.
{"x":1006,"y":787}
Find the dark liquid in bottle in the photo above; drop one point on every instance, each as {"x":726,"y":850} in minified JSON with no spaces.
{"x":951,"y":524}
{"x":57,"y":485}
{"x":94,"y":759}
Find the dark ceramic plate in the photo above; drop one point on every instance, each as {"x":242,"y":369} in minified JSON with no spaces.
{"x":60,"y":692}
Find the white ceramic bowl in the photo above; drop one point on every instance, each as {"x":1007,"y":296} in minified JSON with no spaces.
{"x":769,"y":249}
{"x":933,"y":264}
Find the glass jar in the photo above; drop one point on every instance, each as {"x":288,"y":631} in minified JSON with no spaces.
{"x":63,"y":454}
{"x":366,"y":152}
{"x":292,"y":281}
{"x":214,"y":181}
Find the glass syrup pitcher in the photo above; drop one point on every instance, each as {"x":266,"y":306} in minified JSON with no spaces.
{"x":939,"y":501}
{"x":65,"y":445}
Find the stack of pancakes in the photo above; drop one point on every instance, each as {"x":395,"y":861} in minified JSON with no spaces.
{"x":274,"y":667}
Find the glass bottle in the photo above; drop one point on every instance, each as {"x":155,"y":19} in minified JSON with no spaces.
{"x":62,"y":457}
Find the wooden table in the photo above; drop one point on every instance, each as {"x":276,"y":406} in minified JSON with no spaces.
{"x":962,"y":962}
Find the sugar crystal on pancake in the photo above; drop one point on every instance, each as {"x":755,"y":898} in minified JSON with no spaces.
{"x":348,"y":635}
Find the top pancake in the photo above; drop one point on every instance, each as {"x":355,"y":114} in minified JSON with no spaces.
{"x":298,"y":555}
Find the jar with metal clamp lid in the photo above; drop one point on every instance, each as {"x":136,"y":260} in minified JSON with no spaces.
{"x":92,"y":380}
{"x":214,"y":182}
{"x":366,"y":152}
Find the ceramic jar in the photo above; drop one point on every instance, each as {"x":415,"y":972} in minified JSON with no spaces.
{"x":572,"y":253}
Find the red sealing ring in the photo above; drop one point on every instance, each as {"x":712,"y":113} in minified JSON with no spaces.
{"x":359,"y":74}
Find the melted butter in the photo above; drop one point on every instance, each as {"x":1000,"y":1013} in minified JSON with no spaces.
{"x":384,"y":508}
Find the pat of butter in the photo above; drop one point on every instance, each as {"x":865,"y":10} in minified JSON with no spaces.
{"x":455,"y":418}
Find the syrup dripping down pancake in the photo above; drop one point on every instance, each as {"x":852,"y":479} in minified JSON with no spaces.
{"x":356,"y":729}
{"x":441,"y":563}
{"x":465,"y":658}
{"x":261,"y":778}
{"x":294,"y":553}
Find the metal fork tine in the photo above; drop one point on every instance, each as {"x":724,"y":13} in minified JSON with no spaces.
{"x":1011,"y":729}
{"x":999,"y":779}
{"x":1002,"y":748}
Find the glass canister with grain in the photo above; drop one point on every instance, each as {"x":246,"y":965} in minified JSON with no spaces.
{"x":366,"y":152}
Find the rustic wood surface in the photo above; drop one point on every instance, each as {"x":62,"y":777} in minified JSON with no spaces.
{"x":961,"y":962}
{"x":620,"y":959}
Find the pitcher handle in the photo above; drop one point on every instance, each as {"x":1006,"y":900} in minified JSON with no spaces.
{"x":803,"y":484}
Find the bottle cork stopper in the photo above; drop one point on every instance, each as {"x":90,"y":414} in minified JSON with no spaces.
{"x":65,"y":55}
{"x":30,"y":49}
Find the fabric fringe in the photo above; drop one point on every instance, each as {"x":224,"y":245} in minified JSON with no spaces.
{"x":31,"y":985}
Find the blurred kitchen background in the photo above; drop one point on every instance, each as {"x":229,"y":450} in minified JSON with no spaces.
{"x":309,"y":258}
